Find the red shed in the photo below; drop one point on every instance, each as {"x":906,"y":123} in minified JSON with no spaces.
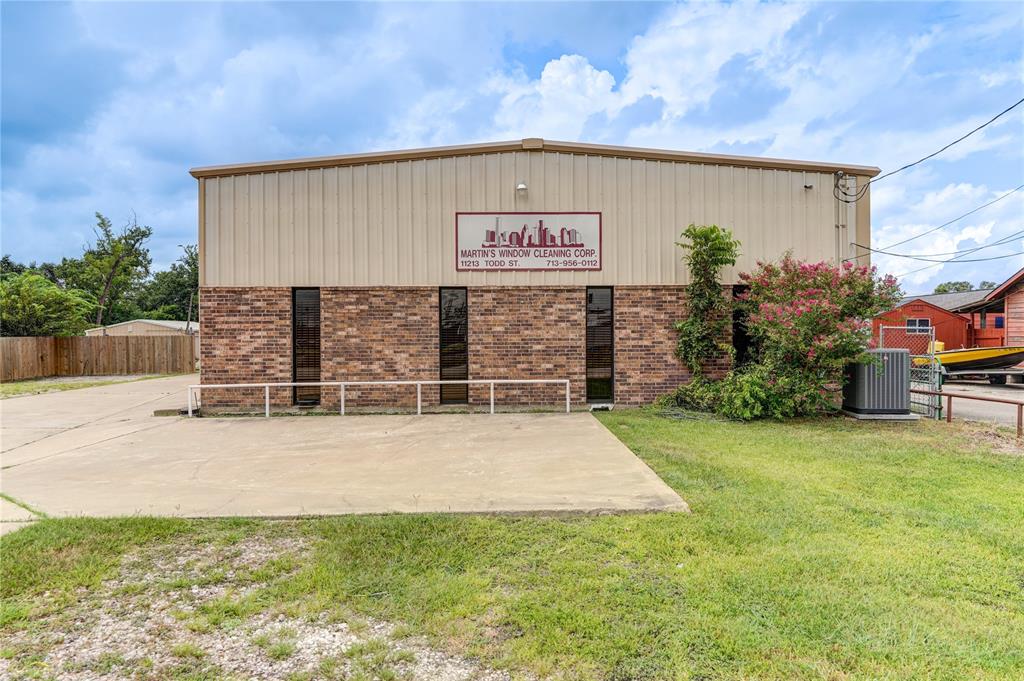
{"x":918,"y":315}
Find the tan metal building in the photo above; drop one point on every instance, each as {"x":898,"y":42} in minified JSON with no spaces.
{"x":149,"y":327}
{"x":528,"y":231}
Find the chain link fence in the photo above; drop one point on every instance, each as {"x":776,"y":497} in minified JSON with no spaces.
{"x":925,"y":370}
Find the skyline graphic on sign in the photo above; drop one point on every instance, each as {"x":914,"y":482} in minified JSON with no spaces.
{"x":530,"y":236}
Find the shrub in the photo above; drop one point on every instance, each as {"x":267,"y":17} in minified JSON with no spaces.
{"x":814,"y":318}
{"x":709,"y":248}
{"x":807,"y":322}
{"x":699,"y":394}
{"x":31,"y":305}
{"x":755,"y":391}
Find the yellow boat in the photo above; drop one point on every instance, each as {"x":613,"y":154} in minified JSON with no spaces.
{"x":976,"y":359}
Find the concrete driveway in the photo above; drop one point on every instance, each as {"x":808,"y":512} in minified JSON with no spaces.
{"x":974,"y":410}
{"x":99,"y":451}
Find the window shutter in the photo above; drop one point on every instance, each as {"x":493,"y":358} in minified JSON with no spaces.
{"x":454,"y":344}
{"x":600,"y":345}
{"x":306,"y":343}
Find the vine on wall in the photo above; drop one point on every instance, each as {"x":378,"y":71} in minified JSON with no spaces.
{"x":707,"y":249}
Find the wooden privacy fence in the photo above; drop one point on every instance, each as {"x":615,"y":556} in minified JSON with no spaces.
{"x":24,"y":357}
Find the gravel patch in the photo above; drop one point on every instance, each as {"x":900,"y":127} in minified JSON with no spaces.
{"x":183,"y":611}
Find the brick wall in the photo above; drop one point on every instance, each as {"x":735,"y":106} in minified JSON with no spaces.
{"x":536,"y":332}
{"x":646,"y":366}
{"x":246,"y":337}
{"x":379,"y":334}
{"x":392,"y":334}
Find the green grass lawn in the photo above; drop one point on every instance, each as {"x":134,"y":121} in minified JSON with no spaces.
{"x":37,"y":386}
{"x":820,"y":549}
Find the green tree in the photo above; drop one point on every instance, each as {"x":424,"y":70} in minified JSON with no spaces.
{"x":987,"y":284}
{"x":113,"y":268}
{"x":954,"y":287}
{"x":170,"y":292}
{"x":31,"y":305}
{"x":9,"y":265}
{"x":708,"y":249}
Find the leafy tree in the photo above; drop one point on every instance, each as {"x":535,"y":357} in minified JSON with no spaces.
{"x":113,"y":267}
{"x":954,"y":287}
{"x":168,"y":294}
{"x":709,"y":248}
{"x":987,"y":284}
{"x":31,"y":305}
{"x":10,"y":266}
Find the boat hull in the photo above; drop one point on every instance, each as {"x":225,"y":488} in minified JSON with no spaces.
{"x":977,"y":359}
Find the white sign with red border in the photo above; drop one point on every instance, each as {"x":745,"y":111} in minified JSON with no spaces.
{"x":527,"y":241}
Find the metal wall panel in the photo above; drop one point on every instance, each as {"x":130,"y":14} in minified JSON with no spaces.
{"x":393,"y":223}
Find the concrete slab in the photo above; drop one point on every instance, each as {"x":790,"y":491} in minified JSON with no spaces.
{"x":125,"y":462}
{"x":37,"y":426}
{"x":7,"y":528}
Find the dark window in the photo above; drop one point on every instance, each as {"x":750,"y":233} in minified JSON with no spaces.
{"x":919,"y":326}
{"x":306,"y":343}
{"x":999,"y":322}
{"x":600,"y":345}
{"x":740,"y":336}
{"x":454,"y":326}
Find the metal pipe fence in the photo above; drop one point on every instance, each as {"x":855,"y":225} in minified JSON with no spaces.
{"x":949,"y":404}
{"x":192,"y":389}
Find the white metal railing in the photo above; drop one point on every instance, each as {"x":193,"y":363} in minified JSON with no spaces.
{"x":343,"y":384}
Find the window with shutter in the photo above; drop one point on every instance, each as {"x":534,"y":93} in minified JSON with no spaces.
{"x":454,"y":345}
{"x":306,"y":344}
{"x":600,"y":345}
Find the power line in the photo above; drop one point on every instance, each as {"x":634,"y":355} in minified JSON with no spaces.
{"x":944,"y":224}
{"x":992,"y":257}
{"x":858,"y":194}
{"x":957,"y":259}
{"x":943,"y":262}
{"x":965,"y":251}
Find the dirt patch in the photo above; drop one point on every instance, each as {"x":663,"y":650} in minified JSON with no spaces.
{"x":1000,"y":438}
{"x":183,"y":611}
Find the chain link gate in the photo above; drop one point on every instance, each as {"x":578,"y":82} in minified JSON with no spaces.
{"x":925,"y":369}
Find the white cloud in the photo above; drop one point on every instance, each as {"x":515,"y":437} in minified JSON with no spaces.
{"x":557,"y":105}
{"x":679,"y":58}
{"x":917,"y":221}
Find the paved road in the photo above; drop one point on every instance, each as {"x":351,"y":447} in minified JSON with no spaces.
{"x":974,"y":410}
{"x":99,"y":451}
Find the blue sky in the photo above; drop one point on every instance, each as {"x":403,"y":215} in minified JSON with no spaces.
{"x":106,"y":106}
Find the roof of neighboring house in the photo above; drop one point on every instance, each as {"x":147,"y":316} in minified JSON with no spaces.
{"x":176,"y":324}
{"x":951,"y":301}
{"x":925,"y":300}
{"x":532,"y":144}
{"x":1005,"y":286}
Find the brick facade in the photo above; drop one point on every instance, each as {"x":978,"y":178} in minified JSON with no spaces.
{"x":247,"y":339}
{"x":646,"y":366}
{"x":391,"y":333}
{"x":536,"y":332}
{"x":379,"y":334}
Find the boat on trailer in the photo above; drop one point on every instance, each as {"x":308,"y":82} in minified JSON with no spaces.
{"x":995,"y":364}
{"x":975,"y":359}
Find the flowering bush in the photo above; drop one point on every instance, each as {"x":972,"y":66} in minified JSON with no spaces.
{"x":814,"y":318}
{"x":807,"y":321}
